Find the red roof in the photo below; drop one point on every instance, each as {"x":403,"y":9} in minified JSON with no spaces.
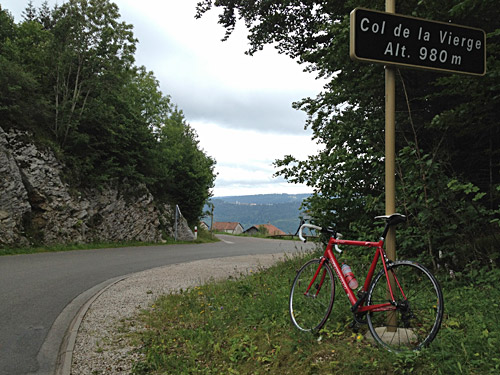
{"x":271,"y":229}
{"x":225,"y":225}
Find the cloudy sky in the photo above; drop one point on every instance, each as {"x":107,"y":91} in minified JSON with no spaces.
{"x":240,"y":106}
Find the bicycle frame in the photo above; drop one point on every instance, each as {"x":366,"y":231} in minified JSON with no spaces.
{"x":379,"y":253}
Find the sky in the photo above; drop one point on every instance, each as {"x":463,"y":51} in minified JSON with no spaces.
{"x":239,"y":105}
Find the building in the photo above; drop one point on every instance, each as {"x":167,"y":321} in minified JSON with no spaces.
{"x":227,"y":227}
{"x":269,"y":229}
{"x":204,"y":225}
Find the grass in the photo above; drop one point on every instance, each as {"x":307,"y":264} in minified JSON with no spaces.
{"x":241,"y":326}
{"x":203,"y":237}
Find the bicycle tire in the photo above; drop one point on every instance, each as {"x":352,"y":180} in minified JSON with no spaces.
{"x":310,"y":311}
{"x":417,"y":319}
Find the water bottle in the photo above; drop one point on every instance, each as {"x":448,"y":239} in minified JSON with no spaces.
{"x":349,"y":276}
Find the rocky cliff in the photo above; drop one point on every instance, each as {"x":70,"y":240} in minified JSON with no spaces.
{"x":36,"y":206}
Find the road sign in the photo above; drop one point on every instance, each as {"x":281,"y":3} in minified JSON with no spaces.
{"x":394,"y":39}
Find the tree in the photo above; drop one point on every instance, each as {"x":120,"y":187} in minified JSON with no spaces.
{"x":89,"y":43}
{"x":29,"y":13}
{"x":177,"y":171}
{"x":22,"y":101}
{"x":448,"y":198}
{"x":186,"y":173}
{"x":92,"y":79}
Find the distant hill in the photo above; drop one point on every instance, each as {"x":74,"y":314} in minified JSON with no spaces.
{"x":281,"y":210}
{"x":264,"y":198}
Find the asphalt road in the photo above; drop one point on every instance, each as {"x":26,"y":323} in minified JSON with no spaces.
{"x":41,"y":293}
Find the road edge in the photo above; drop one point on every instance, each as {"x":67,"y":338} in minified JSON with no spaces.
{"x":55,"y":355}
{"x":65,"y":355}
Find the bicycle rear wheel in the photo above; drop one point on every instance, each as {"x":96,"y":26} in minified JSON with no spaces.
{"x":309,"y":310}
{"x":418,"y":314}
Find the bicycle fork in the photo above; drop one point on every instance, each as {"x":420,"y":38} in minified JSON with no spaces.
{"x":317,"y":286}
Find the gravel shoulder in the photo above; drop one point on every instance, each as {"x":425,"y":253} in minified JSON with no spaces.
{"x":102,"y":345}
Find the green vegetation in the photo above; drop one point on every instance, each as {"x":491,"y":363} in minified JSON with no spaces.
{"x":242,"y":327}
{"x":67,"y":75}
{"x":447,"y":134}
{"x":69,"y":247}
{"x":203,"y":237}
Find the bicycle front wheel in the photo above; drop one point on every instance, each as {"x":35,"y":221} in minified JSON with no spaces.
{"x":309,"y":309}
{"x":418,"y":312}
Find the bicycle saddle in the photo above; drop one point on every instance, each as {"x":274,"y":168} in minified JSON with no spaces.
{"x":392,"y":219}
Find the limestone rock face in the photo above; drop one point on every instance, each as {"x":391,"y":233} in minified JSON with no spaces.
{"x":37,"y":205}
{"x":14,"y":205}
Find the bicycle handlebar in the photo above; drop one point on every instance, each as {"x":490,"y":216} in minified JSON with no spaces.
{"x":311,"y":226}
{"x":305,"y":225}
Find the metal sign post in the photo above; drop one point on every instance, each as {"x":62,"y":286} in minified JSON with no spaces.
{"x":390,"y":162}
{"x":390,"y":146}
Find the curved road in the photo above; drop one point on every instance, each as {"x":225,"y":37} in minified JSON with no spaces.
{"x":41,"y":293}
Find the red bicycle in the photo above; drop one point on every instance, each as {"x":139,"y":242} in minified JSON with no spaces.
{"x":402,"y":304}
